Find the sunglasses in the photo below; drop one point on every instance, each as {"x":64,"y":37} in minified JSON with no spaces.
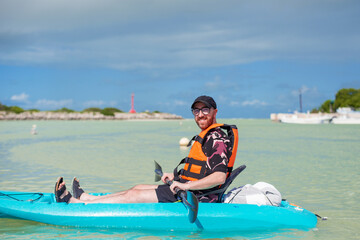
{"x":196,"y":111}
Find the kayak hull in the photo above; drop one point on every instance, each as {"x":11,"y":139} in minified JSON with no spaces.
{"x":157,"y":216}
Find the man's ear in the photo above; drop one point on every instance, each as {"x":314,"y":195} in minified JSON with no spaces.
{"x":215,"y":112}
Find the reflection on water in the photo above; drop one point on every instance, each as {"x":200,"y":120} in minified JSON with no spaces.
{"x":314,"y":166}
{"x":22,"y":229}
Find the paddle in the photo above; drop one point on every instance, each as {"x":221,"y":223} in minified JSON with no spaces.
{"x":188,"y":198}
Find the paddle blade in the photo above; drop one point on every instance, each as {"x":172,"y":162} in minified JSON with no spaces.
{"x":158,"y":172}
{"x":193,"y":210}
{"x":191,"y":203}
{"x":157,"y":176}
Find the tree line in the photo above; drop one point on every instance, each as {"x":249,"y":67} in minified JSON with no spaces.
{"x":104,"y":111}
{"x":346,"y":97}
{"x":108,"y":111}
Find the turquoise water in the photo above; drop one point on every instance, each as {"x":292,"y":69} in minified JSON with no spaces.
{"x":314,"y":166}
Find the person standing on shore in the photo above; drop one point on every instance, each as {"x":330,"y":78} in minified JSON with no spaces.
{"x":206,"y":168}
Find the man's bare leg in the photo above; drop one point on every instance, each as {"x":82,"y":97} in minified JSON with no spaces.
{"x":130,"y":196}
{"x":137,"y":194}
{"x":88,"y":197}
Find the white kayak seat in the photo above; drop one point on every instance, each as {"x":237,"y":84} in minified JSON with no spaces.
{"x":261,"y":193}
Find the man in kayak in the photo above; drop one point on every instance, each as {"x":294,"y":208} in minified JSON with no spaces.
{"x":205,"y":169}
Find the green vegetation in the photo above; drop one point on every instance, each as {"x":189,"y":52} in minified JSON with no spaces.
{"x":151,"y":113}
{"x":14,"y":109}
{"x":93,"y":109}
{"x":110,"y":111}
{"x":65,"y":110}
{"x":105,"y":111}
{"x":346,"y":97}
{"x":33,"y":110}
{"x":4,"y":107}
{"x":326,"y":107}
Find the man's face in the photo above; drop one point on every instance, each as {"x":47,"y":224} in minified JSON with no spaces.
{"x":204,"y":120}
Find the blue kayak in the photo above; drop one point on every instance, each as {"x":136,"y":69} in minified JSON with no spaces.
{"x":42,"y":207}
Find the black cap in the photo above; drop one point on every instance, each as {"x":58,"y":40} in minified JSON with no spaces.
{"x":208,"y":101}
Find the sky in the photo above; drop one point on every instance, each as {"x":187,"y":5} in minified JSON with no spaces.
{"x":253,"y":57}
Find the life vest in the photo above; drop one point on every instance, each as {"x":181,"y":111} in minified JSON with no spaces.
{"x":195,"y":162}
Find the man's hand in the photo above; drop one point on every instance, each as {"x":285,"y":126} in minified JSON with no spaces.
{"x":182,"y":186}
{"x":169,"y":176}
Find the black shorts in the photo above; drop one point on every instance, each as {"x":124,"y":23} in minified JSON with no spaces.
{"x":164,"y":194}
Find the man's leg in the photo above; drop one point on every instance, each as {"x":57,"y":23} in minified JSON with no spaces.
{"x":137,"y":194}
{"x":129,"y":196}
{"x":88,"y":197}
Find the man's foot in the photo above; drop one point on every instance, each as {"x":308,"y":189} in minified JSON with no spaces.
{"x":77,"y":190}
{"x":61,"y":194}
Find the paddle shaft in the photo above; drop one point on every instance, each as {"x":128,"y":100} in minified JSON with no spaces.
{"x":160,"y":173}
{"x":178,"y":191}
{"x":182,"y":194}
{"x":185,"y":196}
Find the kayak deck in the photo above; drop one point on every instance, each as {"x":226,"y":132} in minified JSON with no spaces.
{"x":155,"y":216}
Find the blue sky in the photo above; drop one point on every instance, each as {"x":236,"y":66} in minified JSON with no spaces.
{"x":253,"y":57}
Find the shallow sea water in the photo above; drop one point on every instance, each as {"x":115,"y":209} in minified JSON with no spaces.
{"x":314,"y":166}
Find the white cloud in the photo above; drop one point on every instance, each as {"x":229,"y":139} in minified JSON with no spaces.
{"x":304,"y":89}
{"x":94,"y":103}
{"x":246,"y":103}
{"x":23,"y":97}
{"x":254,"y":103}
{"x":235,"y":103}
{"x":180,"y":103}
{"x":53,"y":104}
{"x":49,"y":32}
{"x":215,"y":84}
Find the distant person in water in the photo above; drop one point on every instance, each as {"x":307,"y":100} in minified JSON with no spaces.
{"x":209,"y":163}
{"x":33,"y":130}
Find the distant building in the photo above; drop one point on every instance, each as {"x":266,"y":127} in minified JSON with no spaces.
{"x":345,"y":110}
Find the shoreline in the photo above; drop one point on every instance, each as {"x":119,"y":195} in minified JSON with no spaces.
{"x":87,"y":116}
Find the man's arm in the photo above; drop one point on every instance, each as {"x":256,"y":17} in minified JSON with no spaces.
{"x":214,"y":179}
